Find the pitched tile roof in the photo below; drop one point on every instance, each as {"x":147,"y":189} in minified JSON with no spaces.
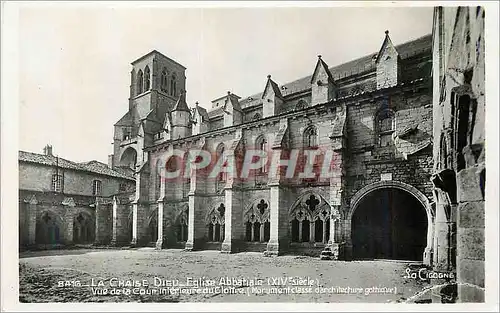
{"x":202,"y":112}
{"x":103,"y":169}
{"x":366,"y":63}
{"x":95,"y":167}
{"x":218,"y":111}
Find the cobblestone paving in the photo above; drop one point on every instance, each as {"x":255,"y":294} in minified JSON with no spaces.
{"x":42,"y":272}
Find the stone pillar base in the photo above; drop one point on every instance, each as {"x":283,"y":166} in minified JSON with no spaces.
{"x":160,"y":244}
{"x":331,"y":251}
{"x":232,"y":246}
{"x":193,"y":245}
{"x":275,"y":248}
{"x":136,"y":243}
{"x":427,"y":260}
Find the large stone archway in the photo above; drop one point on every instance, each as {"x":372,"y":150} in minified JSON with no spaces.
{"x":398,"y":203}
{"x":83,"y":228}
{"x":49,"y":228}
{"x":129,"y":158}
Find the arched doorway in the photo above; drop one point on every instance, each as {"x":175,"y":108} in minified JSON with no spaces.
{"x":129,"y":158}
{"x":48,"y":229}
{"x":390,"y":221}
{"x":83,"y":228}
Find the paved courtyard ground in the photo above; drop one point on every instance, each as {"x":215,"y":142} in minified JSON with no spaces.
{"x":68,"y":276}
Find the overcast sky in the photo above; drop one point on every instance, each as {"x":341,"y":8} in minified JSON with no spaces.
{"x":75,"y":62}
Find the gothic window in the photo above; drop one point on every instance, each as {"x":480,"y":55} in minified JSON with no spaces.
{"x":310,"y":220}
{"x":173,"y":85}
{"x":140,"y":78}
{"x":261,"y":145}
{"x":310,"y":137}
{"x":257,"y":224}
{"x":220,"y":180}
{"x":96,"y":187}
{"x":83,"y":229}
{"x":215,"y":224}
{"x":305,"y":230}
{"x":172,"y":165}
{"x":163,"y":84}
{"x":153,"y":227}
{"x":147,"y":79}
{"x":182,"y":225}
{"x":385,"y":127}
{"x":57,"y":182}
{"x":47,"y":229}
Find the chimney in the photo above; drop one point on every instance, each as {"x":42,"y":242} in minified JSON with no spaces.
{"x":47,"y":150}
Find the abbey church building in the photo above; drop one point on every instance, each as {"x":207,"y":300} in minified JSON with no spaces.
{"x":371,"y":116}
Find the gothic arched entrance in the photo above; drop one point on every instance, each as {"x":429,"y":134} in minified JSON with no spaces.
{"x":48,"y":229}
{"x":83,"y":228}
{"x":390,"y":220}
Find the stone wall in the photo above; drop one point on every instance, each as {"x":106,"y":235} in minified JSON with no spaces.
{"x":459,"y":128}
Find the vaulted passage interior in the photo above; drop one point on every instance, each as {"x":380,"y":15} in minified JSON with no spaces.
{"x":389,"y":223}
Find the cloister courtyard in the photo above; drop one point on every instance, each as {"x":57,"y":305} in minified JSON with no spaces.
{"x":133,"y":275}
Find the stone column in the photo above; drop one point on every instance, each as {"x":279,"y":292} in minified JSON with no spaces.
{"x":162,"y":240}
{"x":120,"y":222}
{"x":441,"y":257}
{"x":31,"y":214}
{"x":279,"y":239}
{"x":312,"y":232}
{"x":471,"y":233}
{"x":68,"y":217}
{"x":101,"y":215}
{"x":261,"y":238}
{"x":300,"y":231}
{"x":337,"y":185}
{"x":196,"y":217}
{"x":139,"y":206}
{"x":233,"y":217}
{"x":279,"y":193}
{"x":325,"y":231}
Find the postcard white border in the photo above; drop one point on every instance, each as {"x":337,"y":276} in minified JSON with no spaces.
{"x":9,"y":171}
